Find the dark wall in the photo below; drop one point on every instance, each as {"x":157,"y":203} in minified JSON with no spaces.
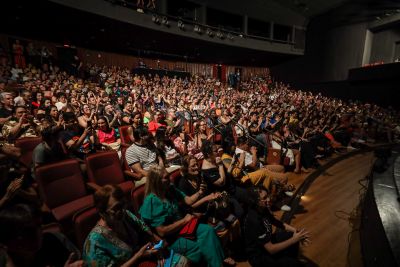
{"x":330,"y":52}
{"x":383,"y":45}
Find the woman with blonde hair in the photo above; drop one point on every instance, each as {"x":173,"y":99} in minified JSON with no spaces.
{"x":160,"y":211}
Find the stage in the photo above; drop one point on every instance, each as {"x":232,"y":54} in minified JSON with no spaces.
{"x":380,"y":224}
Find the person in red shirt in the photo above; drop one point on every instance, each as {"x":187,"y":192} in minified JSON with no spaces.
{"x":155,"y":123}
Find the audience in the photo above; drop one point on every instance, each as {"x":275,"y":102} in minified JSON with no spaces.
{"x":220,"y":136}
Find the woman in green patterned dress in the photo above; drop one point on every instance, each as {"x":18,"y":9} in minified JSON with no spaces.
{"x":120,"y":238}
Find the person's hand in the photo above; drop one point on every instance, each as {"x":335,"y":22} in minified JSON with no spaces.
{"x":13,"y":187}
{"x":144,"y":250}
{"x":218,"y":161}
{"x":11,"y":151}
{"x":87,"y":130}
{"x":22,"y":120}
{"x":253,"y":150}
{"x":213,"y":196}
{"x":203,"y":188}
{"x":301,"y":235}
{"x":188,"y":218}
{"x":71,"y":263}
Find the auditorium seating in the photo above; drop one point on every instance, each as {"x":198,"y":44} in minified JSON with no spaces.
{"x":62,"y":188}
{"x":104,"y":168}
{"x":27,"y":146}
{"x":84,"y":220}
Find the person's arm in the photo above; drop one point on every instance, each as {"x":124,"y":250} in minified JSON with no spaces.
{"x":72,"y":145}
{"x":173,"y":227}
{"x":135,"y":258}
{"x":115,"y":117}
{"x":4,"y":120}
{"x":137,"y":167}
{"x":225,"y":121}
{"x":221,"y":180}
{"x":18,"y":127}
{"x":12,"y":189}
{"x":205,"y":199}
{"x":274,"y":248}
{"x":82,"y":122}
{"x":254,"y":159}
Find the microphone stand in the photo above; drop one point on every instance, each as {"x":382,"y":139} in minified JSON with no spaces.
{"x":265,"y":147}
{"x":212,"y":126}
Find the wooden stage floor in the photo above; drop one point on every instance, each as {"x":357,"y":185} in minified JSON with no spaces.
{"x":329,"y":210}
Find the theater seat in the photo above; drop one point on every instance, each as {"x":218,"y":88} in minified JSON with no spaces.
{"x":105,"y":168}
{"x":27,"y":145}
{"x":123,"y":134}
{"x":127,"y":170}
{"x":138,"y":198}
{"x":62,"y":189}
{"x":84,"y":221}
{"x":175,"y":176}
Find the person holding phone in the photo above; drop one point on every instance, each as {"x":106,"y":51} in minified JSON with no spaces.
{"x":22,"y":124}
{"x":120,"y":238}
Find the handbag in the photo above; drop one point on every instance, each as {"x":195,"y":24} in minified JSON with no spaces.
{"x":274,"y":156}
{"x":189,"y":230}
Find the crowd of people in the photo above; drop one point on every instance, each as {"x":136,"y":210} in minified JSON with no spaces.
{"x":220,"y":137}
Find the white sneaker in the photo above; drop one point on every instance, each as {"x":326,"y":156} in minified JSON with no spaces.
{"x":289,"y":194}
{"x":286,"y":208}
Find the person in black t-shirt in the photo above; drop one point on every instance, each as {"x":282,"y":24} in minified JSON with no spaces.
{"x":265,"y":248}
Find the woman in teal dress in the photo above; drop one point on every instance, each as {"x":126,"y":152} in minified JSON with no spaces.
{"x":160,"y":211}
{"x":120,"y":238}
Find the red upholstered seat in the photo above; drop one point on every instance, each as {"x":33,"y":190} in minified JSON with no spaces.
{"x":84,"y":221}
{"x":138,"y":197}
{"x":175,"y":176}
{"x":62,"y":188}
{"x":105,"y":168}
{"x":27,"y":146}
{"x":123,"y":134}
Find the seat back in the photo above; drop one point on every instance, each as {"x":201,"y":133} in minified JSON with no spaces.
{"x":60,"y":183}
{"x":138,"y":197}
{"x":27,"y":146}
{"x":104,"y":168}
{"x":124,"y":135}
{"x":84,"y":221}
{"x":175,"y":176}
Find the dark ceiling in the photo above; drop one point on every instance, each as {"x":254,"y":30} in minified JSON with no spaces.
{"x":44,"y":20}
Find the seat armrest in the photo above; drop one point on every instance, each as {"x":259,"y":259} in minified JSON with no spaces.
{"x":132,"y":175}
{"x":93,"y":186}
